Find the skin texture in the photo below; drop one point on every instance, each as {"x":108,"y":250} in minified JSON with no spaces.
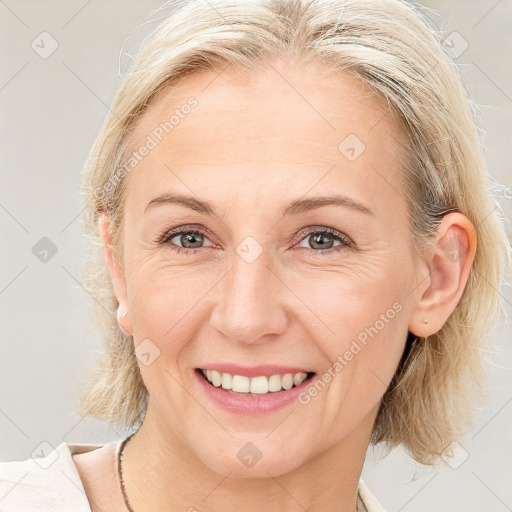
{"x":251,"y":147}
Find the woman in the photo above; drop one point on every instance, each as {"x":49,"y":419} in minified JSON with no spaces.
{"x":297,"y":257}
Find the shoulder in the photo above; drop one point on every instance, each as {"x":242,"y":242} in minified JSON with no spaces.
{"x":47,"y":483}
{"x":369,"y":500}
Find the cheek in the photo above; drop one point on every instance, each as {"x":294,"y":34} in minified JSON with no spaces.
{"x":168,"y":307}
{"x":362,"y":336}
{"x":162,"y":296}
{"x":164,"y":306}
{"x":358,"y":302}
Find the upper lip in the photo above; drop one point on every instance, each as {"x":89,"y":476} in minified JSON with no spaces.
{"x":253,"y":371}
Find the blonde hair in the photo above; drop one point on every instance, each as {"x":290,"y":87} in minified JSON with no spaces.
{"x":394,"y":48}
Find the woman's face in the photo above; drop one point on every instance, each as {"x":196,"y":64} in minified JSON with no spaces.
{"x":259,"y":282}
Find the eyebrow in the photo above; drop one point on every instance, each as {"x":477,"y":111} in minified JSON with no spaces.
{"x":294,"y":208}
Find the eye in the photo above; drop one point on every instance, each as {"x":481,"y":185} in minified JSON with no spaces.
{"x":323,"y":240}
{"x":188,"y":240}
{"x":184,"y":240}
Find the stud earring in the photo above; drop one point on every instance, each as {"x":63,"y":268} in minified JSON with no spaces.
{"x":425,"y":321}
{"x":119,"y":316}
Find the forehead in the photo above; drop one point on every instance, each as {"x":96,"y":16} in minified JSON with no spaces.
{"x":286,"y":128}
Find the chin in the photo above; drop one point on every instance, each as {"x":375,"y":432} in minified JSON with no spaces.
{"x":275,"y":466}
{"x":253,"y":456}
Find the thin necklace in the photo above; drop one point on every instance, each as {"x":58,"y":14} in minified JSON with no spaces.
{"x":120,"y":472}
{"x":121,"y":481}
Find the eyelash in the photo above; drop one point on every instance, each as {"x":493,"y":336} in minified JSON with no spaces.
{"x":168,"y":235}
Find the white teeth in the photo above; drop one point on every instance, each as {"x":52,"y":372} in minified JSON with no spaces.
{"x":227,"y":381}
{"x":258,"y":385}
{"x":274,"y":383}
{"x":287,"y":381}
{"x":216,"y":378}
{"x":241,"y":384}
{"x":297,"y":378}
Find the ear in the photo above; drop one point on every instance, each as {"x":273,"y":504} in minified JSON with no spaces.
{"x":449,"y":263}
{"x":116,"y":274}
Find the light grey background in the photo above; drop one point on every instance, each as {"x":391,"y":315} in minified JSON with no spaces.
{"x":51,"y":111}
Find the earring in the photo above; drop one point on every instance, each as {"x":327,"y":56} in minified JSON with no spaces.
{"x":425,"y":321}
{"x":119,"y":316}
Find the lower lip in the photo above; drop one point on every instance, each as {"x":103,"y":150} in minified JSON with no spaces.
{"x":247,"y":404}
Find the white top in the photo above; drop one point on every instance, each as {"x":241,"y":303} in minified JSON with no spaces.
{"x":52,"y":483}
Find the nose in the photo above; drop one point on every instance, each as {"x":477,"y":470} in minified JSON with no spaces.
{"x":250,"y":308}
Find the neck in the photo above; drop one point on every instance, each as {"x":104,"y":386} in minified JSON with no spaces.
{"x":160,"y":472}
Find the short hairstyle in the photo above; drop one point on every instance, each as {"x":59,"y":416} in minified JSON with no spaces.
{"x":395,"y":49}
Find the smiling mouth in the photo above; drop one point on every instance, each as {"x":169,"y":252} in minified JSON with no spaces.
{"x":253,"y":386}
